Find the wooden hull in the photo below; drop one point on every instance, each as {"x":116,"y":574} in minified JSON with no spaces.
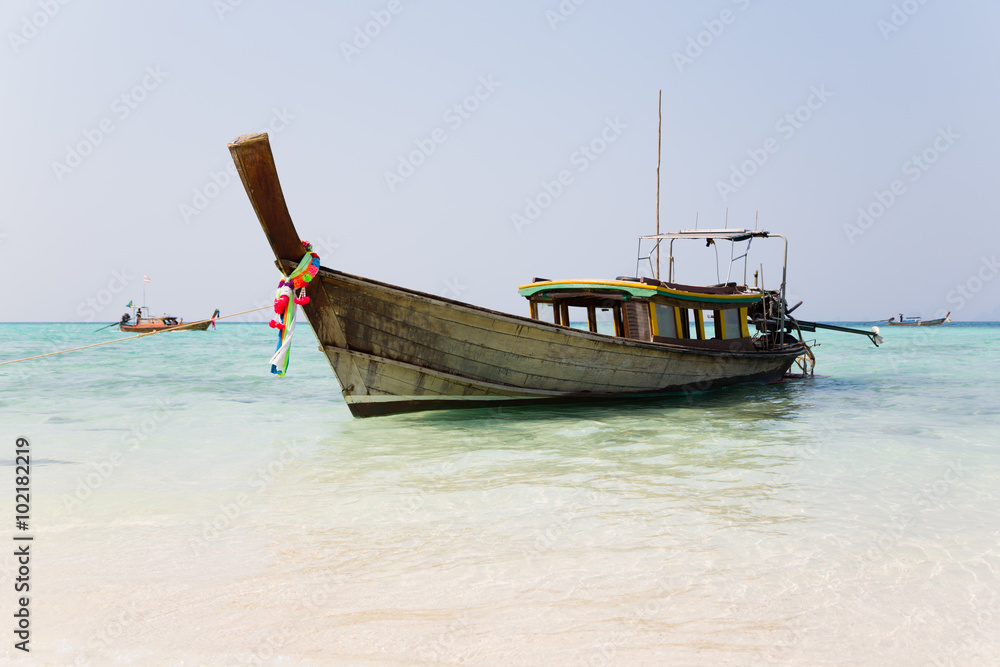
{"x":927,"y":323}
{"x":397,"y":350}
{"x":920,"y":323}
{"x":194,"y":326}
{"x":407,"y":351}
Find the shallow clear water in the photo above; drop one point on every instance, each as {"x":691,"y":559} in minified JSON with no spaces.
{"x":187,"y":505}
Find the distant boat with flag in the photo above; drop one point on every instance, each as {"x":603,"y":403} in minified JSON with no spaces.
{"x":917,"y":322}
{"x":140,"y":321}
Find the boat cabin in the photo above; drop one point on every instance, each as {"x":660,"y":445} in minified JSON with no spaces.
{"x":647,"y":309}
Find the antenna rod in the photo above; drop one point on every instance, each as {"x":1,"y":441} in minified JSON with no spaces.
{"x":659,"y":148}
{"x":745,"y":258}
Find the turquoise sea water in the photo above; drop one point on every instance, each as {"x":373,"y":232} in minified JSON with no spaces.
{"x":188,"y":506}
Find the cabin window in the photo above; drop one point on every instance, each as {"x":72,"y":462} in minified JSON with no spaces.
{"x":729,"y":322}
{"x":605,"y":321}
{"x":712,"y":324}
{"x":543,"y":312}
{"x":699,"y":324}
{"x":578,"y":318}
{"x":637,"y":324}
{"x":666,"y":321}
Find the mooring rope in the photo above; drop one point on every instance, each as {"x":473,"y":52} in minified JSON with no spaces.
{"x":179,"y":327}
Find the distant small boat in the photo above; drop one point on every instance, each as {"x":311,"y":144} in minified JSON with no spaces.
{"x":141,"y":324}
{"x":916,"y":321}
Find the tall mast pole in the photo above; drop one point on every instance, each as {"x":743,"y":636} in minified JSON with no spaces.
{"x":659,"y":146}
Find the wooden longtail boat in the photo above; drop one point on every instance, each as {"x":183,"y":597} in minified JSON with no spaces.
{"x":916,"y":321}
{"x":398,"y":350}
{"x":142,"y":324}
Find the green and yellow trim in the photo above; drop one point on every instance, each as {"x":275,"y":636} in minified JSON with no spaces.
{"x":634,"y":289}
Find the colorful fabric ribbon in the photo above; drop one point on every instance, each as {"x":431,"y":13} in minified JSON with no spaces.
{"x":285,"y":301}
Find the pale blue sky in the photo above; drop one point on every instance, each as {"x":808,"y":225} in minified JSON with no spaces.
{"x":67,"y":234}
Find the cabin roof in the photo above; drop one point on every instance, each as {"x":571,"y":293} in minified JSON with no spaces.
{"x":724,"y":234}
{"x":638,"y":289}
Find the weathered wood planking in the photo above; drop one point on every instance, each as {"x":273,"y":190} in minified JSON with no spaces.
{"x":468,"y":351}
